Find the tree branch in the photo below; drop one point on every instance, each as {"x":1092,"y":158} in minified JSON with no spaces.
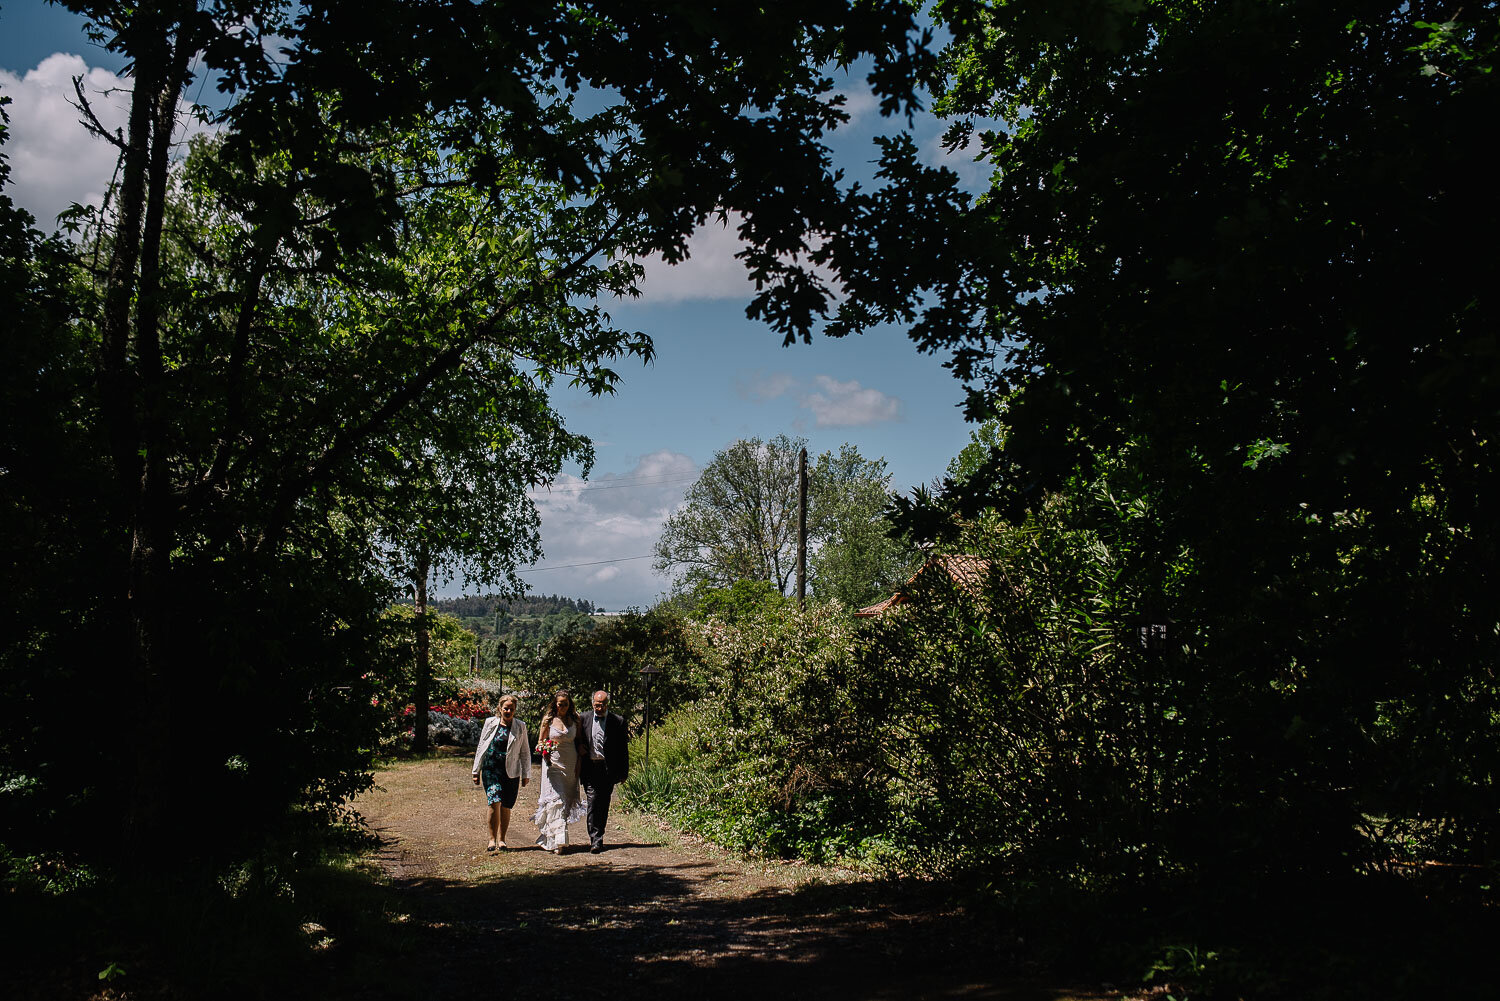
{"x":91,"y":122}
{"x":297,"y":481}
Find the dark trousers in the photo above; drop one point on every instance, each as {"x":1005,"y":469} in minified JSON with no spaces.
{"x":599,"y":789}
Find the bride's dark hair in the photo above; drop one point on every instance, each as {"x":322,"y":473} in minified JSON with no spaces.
{"x":569,"y":718}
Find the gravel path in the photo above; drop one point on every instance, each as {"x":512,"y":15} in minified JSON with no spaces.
{"x":656,"y":915}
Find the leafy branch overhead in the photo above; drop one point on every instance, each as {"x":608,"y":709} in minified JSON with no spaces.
{"x":1222,"y":299}
{"x":322,"y":346}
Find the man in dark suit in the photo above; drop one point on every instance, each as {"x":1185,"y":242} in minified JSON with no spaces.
{"x":603,"y":760}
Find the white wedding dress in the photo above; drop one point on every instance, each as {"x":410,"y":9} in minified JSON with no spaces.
{"x":560,"y":801}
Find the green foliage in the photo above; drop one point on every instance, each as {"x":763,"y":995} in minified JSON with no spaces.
{"x":452,"y":644}
{"x":764,"y":760}
{"x":479,"y":607}
{"x":827,"y":736}
{"x":739,"y":519}
{"x":514,"y":631}
{"x":739,"y":522}
{"x":320,"y":353}
{"x":610,"y":657}
{"x":317,"y":355}
{"x":984,"y":441}
{"x":856,"y":556}
{"x":741,"y":600}
{"x":47,"y":872}
{"x":1028,"y":716}
{"x":1223,"y":268}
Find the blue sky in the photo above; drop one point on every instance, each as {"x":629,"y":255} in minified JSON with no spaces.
{"x":717,"y":376}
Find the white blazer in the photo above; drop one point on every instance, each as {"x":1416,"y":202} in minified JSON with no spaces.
{"x":517,"y":756}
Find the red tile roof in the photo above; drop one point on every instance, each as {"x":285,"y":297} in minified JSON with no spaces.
{"x":968,"y":572}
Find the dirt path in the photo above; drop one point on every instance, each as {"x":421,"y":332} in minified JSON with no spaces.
{"x":654,"y":916}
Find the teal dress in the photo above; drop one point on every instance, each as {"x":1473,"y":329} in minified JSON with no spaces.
{"x":492,"y":768}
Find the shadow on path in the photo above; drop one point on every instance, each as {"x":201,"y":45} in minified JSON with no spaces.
{"x":676,"y":930}
{"x":641,"y":920}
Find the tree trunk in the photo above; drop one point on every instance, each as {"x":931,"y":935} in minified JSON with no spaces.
{"x":423,"y":688}
{"x":130,"y":378}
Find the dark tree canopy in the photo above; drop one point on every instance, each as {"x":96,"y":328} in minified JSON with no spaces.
{"x":1227,"y":270}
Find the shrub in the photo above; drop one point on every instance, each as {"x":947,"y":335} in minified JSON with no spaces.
{"x":467,"y":704}
{"x":457,"y":731}
{"x":769,"y":759}
{"x":610,"y":657}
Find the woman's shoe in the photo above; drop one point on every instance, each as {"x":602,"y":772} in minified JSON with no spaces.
{"x":501,"y":846}
{"x":490,"y":847}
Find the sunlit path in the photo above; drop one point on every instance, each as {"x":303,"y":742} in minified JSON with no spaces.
{"x":655,"y":914}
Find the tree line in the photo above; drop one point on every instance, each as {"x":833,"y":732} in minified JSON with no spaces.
{"x":531,"y":604}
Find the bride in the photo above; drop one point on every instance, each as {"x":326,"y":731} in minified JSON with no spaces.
{"x":560,"y":801}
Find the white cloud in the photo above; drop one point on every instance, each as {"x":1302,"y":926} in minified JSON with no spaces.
{"x":833,"y":404}
{"x":612,"y":517}
{"x":710,"y":271}
{"x":762,"y":385}
{"x":859,"y":103}
{"x":54,"y":160}
{"x":838,"y":404}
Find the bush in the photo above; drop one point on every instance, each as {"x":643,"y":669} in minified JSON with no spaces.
{"x":769,"y":760}
{"x":452,"y":730}
{"x":610,"y":657}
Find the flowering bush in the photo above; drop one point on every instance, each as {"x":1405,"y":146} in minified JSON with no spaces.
{"x":468,"y":704}
{"x":452,"y":730}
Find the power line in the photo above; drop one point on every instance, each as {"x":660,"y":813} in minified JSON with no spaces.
{"x":627,"y":483}
{"x":595,"y":563}
{"x":642,"y":483}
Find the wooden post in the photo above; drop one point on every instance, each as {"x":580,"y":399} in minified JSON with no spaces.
{"x":802,"y":528}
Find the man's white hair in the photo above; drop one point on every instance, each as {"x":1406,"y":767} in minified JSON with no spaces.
{"x":601,"y":693}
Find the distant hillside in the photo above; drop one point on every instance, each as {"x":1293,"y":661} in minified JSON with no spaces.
{"x":532,"y":604}
{"x":523,"y":625}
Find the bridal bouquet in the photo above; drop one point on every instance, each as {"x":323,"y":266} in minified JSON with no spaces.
{"x":546,"y":745}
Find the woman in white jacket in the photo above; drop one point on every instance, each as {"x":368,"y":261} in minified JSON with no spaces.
{"x":503,"y":760}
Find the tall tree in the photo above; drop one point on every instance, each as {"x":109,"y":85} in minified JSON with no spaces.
{"x":739,"y":519}
{"x":857,"y":556}
{"x":1224,"y":261}
{"x":739,"y":522}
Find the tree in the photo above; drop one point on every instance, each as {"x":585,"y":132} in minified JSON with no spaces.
{"x":739,"y":522}
{"x":610,"y":657}
{"x":984,"y":442}
{"x":406,"y":203}
{"x":857,"y":556}
{"x":740,"y":600}
{"x":54,"y":468}
{"x":1223,"y":266}
{"x":452,"y":643}
{"x":457,"y":501}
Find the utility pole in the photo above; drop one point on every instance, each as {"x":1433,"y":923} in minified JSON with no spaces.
{"x":802,"y":528}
